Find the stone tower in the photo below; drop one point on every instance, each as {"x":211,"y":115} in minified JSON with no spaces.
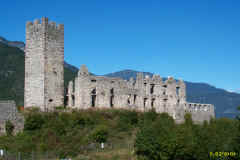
{"x":44,"y":65}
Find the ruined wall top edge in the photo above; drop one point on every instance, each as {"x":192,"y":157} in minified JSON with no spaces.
{"x":199,"y":104}
{"x":44,"y":22}
{"x":144,"y":79}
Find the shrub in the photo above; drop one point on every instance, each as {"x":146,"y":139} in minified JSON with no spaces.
{"x":9,"y":127}
{"x":33,"y":121}
{"x":100,"y":134}
{"x":188,"y":119}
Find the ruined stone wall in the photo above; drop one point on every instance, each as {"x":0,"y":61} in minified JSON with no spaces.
{"x":144,"y":94}
{"x":200,"y":112}
{"x":99,"y":92}
{"x":44,"y":60}
{"x":8,"y":111}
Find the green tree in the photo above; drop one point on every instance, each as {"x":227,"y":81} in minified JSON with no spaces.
{"x":188,"y":119}
{"x":186,"y":139}
{"x":237,"y":147}
{"x":157,"y":140}
{"x":238,"y":116}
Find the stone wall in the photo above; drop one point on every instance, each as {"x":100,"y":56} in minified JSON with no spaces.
{"x":8,"y":111}
{"x":44,"y":59}
{"x":142,"y":94}
{"x":34,"y":65}
{"x":200,"y":112}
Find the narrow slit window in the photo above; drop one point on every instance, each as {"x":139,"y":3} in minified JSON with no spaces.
{"x":152,"y":89}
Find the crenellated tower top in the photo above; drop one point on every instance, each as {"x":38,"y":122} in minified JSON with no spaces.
{"x":44,"y":23}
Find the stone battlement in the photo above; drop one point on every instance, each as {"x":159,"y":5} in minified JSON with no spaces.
{"x":44,"y":23}
{"x":200,"y":112}
{"x":197,"y":107}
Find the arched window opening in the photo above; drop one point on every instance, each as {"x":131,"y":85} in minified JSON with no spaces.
{"x":73,"y":100}
{"x":128,"y":100}
{"x":144,"y":102}
{"x":145,"y":86}
{"x":152,"y":89}
{"x":93,"y":96}
{"x":178,"y":101}
{"x":134,"y":98}
{"x":112,"y":91}
{"x":177,"y":91}
{"x":152,"y":102}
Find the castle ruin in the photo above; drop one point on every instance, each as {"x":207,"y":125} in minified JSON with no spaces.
{"x":44,"y":60}
{"x":143,"y":94}
{"x":44,"y":82}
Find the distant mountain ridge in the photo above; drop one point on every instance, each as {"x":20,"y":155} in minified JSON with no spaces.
{"x":225,"y":102}
{"x":17,"y":44}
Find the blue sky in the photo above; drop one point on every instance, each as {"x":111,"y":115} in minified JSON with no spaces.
{"x":196,"y":40}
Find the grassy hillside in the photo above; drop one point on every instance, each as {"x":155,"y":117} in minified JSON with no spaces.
{"x":12,"y":74}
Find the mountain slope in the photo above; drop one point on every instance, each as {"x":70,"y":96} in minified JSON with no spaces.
{"x":21,"y":45}
{"x":225,"y":102}
{"x":17,"y":44}
{"x":12,"y":73}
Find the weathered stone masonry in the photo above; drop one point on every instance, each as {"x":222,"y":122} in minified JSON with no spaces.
{"x":142,"y":94}
{"x":8,"y":111}
{"x":44,"y":60}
